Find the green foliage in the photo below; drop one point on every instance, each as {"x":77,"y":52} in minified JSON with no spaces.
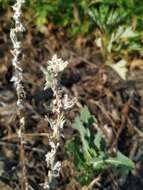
{"x":68,"y":14}
{"x":82,"y":16}
{"x":4,"y":4}
{"x":116,"y":32}
{"x":90,"y":152}
{"x":117,"y":24}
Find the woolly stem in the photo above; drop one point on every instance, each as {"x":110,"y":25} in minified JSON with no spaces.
{"x":17,"y":79}
{"x":59,"y":105}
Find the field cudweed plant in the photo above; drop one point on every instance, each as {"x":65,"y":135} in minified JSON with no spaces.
{"x":59,"y":105}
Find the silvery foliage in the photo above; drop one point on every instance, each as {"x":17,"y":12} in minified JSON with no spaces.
{"x":59,"y":105}
{"x":18,"y":76}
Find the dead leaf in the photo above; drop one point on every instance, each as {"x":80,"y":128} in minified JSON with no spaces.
{"x":3,"y":66}
{"x":136,"y":64}
{"x":80,"y":42}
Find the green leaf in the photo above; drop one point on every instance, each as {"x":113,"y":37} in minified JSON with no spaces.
{"x":73,"y":147}
{"x":84,"y":133}
{"x":86,"y":117}
{"x":120,"y":68}
{"x":40,"y":21}
{"x":85,"y":114}
{"x":97,"y":139}
{"x":127,"y":33}
{"x":89,"y":154}
{"x":124,"y":161}
{"x":120,"y":160}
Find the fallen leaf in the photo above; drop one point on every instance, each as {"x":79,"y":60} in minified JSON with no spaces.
{"x":136,"y":64}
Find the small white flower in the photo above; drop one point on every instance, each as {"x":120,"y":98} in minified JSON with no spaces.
{"x":56,"y":64}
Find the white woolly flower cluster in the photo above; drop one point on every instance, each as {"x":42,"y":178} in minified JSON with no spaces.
{"x":52,"y":73}
{"x":56,"y":65}
{"x":59,"y":105}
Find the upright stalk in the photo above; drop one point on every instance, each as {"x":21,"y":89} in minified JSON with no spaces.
{"x":17,"y":79}
{"x":59,"y":105}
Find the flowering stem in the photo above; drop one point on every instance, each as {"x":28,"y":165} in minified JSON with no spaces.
{"x":59,"y":105}
{"x":17,"y":79}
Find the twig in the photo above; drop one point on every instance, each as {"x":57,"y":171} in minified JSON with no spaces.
{"x":125,"y":112}
{"x":93,"y":182}
{"x":2,"y":143}
{"x":27,"y":135}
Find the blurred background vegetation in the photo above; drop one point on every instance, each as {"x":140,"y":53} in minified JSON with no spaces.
{"x":80,"y":17}
{"x":116,"y":25}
